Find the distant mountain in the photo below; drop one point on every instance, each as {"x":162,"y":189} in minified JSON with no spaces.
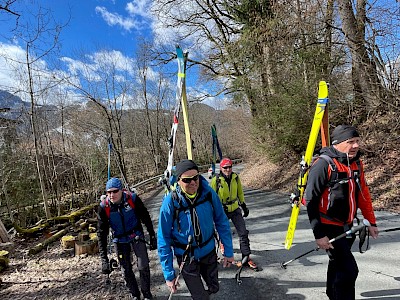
{"x":13,"y":105}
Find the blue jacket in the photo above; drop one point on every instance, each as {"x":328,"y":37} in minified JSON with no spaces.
{"x":208,"y":214}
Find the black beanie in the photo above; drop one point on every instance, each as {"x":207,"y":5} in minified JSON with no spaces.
{"x":343,"y":133}
{"x":185,"y":165}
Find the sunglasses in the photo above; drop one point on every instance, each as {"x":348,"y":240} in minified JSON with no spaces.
{"x":189,"y":179}
{"x":227,"y":167}
{"x":111,"y":192}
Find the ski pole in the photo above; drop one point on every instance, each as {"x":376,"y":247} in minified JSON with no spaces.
{"x":348,"y":232}
{"x":390,"y":229}
{"x":109,"y":158}
{"x":185,"y":257}
{"x":237,"y":275}
{"x":113,"y":263}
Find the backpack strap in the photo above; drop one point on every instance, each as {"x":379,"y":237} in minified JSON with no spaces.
{"x":334,"y":174}
{"x":180,"y":208}
{"x":130,"y":198}
{"x":107,"y":206}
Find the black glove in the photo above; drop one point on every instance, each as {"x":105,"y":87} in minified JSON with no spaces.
{"x":105,"y":266}
{"x":153,"y":242}
{"x":245,"y":210}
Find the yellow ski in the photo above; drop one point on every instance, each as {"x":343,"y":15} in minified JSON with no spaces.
{"x":319,"y":120}
{"x":182,"y":75}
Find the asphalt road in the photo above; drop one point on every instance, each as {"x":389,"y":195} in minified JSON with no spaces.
{"x":379,"y":276}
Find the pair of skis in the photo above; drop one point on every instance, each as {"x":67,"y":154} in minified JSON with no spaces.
{"x":181,"y":102}
{"x":215,"y":148}
{"x":320,"y":123}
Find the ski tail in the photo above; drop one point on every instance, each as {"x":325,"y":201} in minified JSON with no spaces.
{"x":184,"y":103}
{"x":215,"y":148}
{"x":165,"y":179}
{"x":320,"y":123}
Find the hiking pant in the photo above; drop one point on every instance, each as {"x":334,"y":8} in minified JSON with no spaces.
{"x":124,"y":254}
{"x":342,"y":268}
{"x":243,"y":233}
{"x":193,"y":271}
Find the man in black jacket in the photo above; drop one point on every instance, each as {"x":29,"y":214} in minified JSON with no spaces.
{"x":124,"y":213}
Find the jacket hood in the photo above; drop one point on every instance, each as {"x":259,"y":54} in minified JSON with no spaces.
{"x":340,"y":156}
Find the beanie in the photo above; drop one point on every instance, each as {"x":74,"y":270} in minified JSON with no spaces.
{"x":185,"y":165}
{"x":113,"y":183}
{"x":343,"y":133}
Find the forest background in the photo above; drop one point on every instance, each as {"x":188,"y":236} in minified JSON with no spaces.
{"x":266,"y":59}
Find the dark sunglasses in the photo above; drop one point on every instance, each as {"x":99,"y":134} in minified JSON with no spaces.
{"x":227,"y":167}
{"x":189,"y":179}
{"x":114,"y":191}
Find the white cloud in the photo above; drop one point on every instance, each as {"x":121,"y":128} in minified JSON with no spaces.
{"x":138,"y":15}
{"x":10,"y":55}
{"x":139,"y":7}
{"x":115,"y":19}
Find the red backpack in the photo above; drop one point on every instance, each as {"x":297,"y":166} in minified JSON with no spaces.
{"x":106,"y":202}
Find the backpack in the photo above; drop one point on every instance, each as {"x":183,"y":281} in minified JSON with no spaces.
{"x":219,"y":181}
{"x":177,"y":210}
{"x":333,"y":179}
{"x":105,"y":203}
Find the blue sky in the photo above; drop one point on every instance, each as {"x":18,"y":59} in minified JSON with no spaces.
{"x":114,"y":24}
{"x":93,"y":25}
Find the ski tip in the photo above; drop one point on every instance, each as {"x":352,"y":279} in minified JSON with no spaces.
{"x":323,"y":90}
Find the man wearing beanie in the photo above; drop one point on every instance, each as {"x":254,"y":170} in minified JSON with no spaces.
{"x":336,"y":188}
{"x":124,"y":212}
{"x":186,"y":225}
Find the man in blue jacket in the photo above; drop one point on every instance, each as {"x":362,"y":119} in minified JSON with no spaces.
{"x":124,"y":212}
{"x":193,"y":209}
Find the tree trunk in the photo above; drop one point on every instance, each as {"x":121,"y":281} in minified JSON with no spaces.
{"x":367,"y":87}
{"x":33,"y":125}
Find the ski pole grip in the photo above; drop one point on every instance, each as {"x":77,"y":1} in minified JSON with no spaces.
{"x":366,"y":223}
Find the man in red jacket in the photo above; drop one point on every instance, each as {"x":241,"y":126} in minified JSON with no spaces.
{"x":334,"y":193}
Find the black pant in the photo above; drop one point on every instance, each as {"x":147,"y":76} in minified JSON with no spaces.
{"x":342,"y":268}
{"x":206,"y":268}
{"x":124,"y":254}
{"x":243,"y":233}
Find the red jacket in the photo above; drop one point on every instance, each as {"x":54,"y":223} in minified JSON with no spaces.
{"x":335,"y":200}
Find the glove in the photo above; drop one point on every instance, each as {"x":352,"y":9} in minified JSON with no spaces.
{"x":105,"y":267}
{"x":153,"y":242}
{"x":245,"y":210}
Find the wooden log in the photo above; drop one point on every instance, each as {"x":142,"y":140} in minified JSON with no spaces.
{"x":7,"y":246}
{"x":75,"y":214}
{"x":87,"y":247}
{"x":4,"y":238}
{"x":39,"y":247}
{"x":83,"y":236}
{"x":68,"y":242}
{"x":92,"y":220}
{"x":31,"y":230}
{"x":4,"y":262}
{"x":84,"y":225}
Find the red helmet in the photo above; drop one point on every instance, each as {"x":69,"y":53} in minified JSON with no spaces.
{"x":225,"y":162}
